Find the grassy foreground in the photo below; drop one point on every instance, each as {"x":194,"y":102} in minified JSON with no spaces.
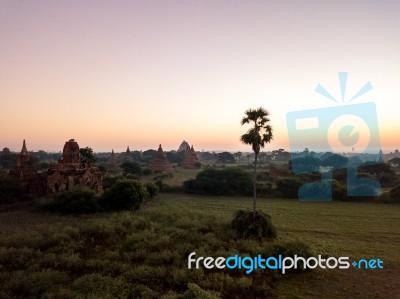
{"x":143,"y":254}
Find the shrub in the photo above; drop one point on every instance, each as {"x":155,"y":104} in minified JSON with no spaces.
{"x":289,"y":186}
{"x":131,"y":168}
{"x":395,"y":193}
{"x":260,"y":227}
{"x":10,"y":189}
{"x":264,"y":189}
{"x":109,"y":180}
{"x":196,"y":292}
{"x":124,"y":195}
{"x":74,"y":201}
{"x":152,"y":189}
{"x":147,"y":171}
{"x":228,"y":181}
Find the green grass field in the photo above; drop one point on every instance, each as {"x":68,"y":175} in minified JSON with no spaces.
{"x":143,"y":254}
{"x":357,"y":230}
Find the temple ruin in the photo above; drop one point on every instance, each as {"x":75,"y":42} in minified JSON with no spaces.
{"x":73,"y":171}
{"x":25,"y":172}
{"x":160,"y":161}
{"x":183,"y":147}
{"x":112,"y":160}
{"x":191,"y":160}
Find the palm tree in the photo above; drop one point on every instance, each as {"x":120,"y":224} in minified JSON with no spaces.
{"x":259,"y":134}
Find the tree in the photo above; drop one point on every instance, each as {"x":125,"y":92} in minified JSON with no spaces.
{"x":88,"y":155}
{"x":225,"y":157}
{"x":257,"y":136}
{"x":124,"y":195}
{"x":10,"y":189}
{"x":131,"y":168}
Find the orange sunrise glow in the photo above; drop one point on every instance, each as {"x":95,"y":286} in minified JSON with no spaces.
{"x":143,"y":73}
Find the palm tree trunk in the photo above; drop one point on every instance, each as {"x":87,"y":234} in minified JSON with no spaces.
{"x":255,"y":187}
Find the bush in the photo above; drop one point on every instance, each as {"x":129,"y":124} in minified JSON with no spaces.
{"x":196,"y":292}
{"x":109,"y":180}
{"x":10,"y":189}
{"x":394,"y":193}
{"x":264,"y":189}
{"x":289,"y":186}
{"x":152,"y":189}
{"x":74,"y":201}
{"x":228,"y":181}
{"x":131,"y":168}
{"x":260,"y":227}
{"x":124,"y":195}
{"x":147,"y":171}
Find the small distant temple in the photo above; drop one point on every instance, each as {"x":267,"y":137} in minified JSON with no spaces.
{"x":71,"y":171}
{"x":160,"y":161}
{"x":183,"y":147}
{"x":25,"y":172}
{"x":112,"y":160}
{"x":125,"y":156}
{"x":191,"y":160}
{"x":6,"y":151}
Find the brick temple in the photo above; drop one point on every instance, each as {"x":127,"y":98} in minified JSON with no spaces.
{"x":73,"y":171}
{"x":70,"y":171}
{"x":191,"y":160}
{"x":112,"y":160}
{"x":160,"y":161}
{"x":24,"y":171}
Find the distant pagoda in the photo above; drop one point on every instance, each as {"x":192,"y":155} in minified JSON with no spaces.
{"x":125,"y":157}
{"x":183,"y":147}
{"x":190,"y":158}
{"x":160,"y":161}
{"x":112,"y":160}
{"x":25,"y":172}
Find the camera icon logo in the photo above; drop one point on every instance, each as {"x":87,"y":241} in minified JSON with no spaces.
{"x":347,"y":132}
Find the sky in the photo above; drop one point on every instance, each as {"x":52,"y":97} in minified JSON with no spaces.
{"x":142,"y":73}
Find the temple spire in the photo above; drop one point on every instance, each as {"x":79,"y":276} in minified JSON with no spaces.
{"x":24,"y":149}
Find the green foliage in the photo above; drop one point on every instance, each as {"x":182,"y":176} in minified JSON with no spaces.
{"x":131,"y":168}
{"x":7,"y":161}
{"x":88,"y":155}
{"x":10,"y":189}
{"x":260,"y":132}
{"x":246,"y":226}
{"x":152,"y":189}
{"x":264,"y":189}
{"x":109,"y":180}
{"x":144,"y":254}
{"x":174,"y":157}
{"x":125,"y":194}
{"x":228,"y":181}
{"x":289,"y":186}
{"x":394,"y":194}
{"x":74,"y":201}
{"x":225,"y":157}
{"x":196,"y":292}
{"x":147,"y":171}
{"x":122,"y":255}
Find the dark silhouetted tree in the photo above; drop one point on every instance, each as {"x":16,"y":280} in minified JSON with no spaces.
{"x":257,"y":136}
{"x":88,"y":155}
